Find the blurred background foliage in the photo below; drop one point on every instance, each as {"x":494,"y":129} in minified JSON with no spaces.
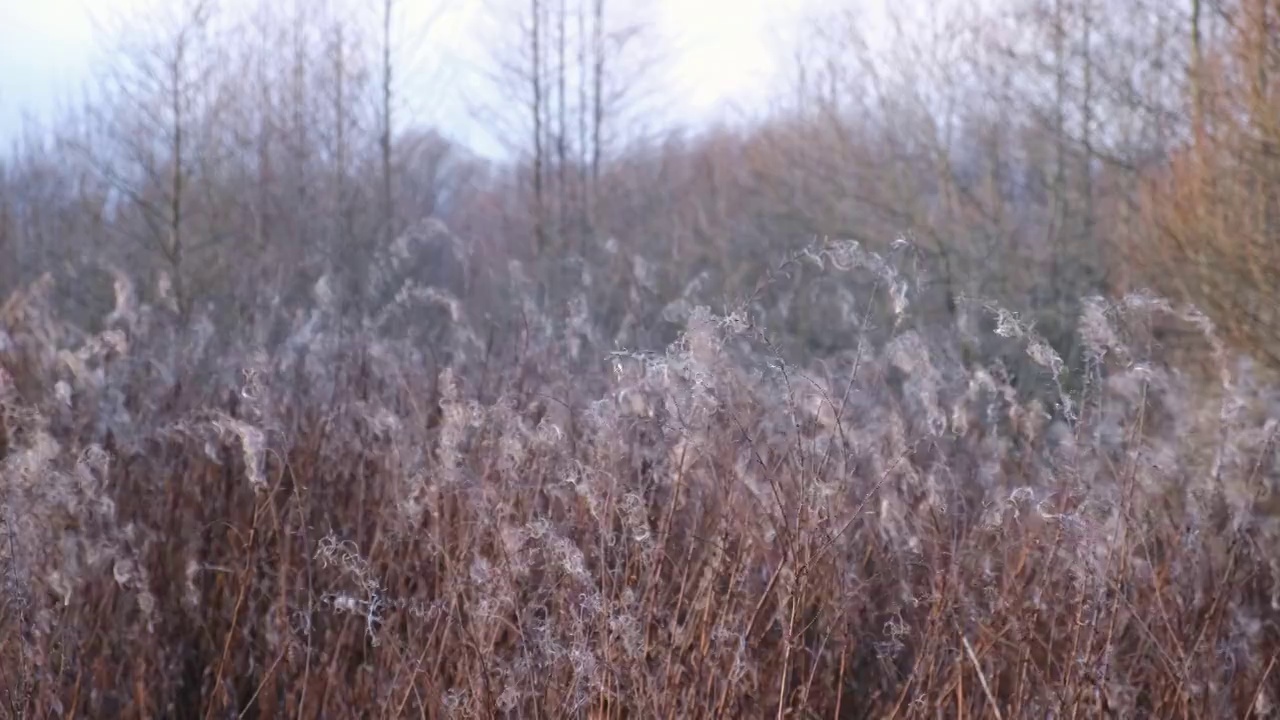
{"x":1031,"y":153}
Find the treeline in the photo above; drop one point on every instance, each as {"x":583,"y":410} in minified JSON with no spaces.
{"x":1032,"y":153}
{"x":307,"y":411}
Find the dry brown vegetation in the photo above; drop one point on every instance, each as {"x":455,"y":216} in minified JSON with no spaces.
{"x":343,"y":530}
{"x":860,"y":411}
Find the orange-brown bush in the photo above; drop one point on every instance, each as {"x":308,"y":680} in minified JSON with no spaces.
{"x":1212,"y":214}
{"x":339,"y":527}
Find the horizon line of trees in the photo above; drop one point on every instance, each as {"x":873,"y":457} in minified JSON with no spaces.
{"x":1035,"y":152}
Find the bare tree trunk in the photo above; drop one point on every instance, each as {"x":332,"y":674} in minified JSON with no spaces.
{"x":176,"y":189}
{"x":388,"y":202}
{"x":1086,"y":133}
{"x":340,"y":136}
{"x":344,"y":249}
{"x":264,"y":139}
{"x":597,"y":116}
{"x":1266,"y":121}
{"x":584,"y":199}
{"x":299,"y":138}
{"x":1197,"y":74}
{"x":562,"y":129}
{"x":539,"y":220}
{"x":1060,"y":204}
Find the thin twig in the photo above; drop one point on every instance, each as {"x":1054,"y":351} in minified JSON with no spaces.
{"x":982,"y":679}
{"x":1262,"y":683}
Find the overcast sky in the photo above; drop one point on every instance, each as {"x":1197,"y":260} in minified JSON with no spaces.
{"x":723,"y":54}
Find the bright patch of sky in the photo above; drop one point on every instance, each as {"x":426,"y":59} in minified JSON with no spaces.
{"x":723,"y":56}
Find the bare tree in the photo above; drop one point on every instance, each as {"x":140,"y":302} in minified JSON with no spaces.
{"x":564,"y":166}
{"x":388,"y":201}
{"x":537,"y":110}
{"x":1212,"y":214}
{"x":163,"y":138}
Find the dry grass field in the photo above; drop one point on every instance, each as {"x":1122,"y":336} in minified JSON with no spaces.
{"x":347,"y":527}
